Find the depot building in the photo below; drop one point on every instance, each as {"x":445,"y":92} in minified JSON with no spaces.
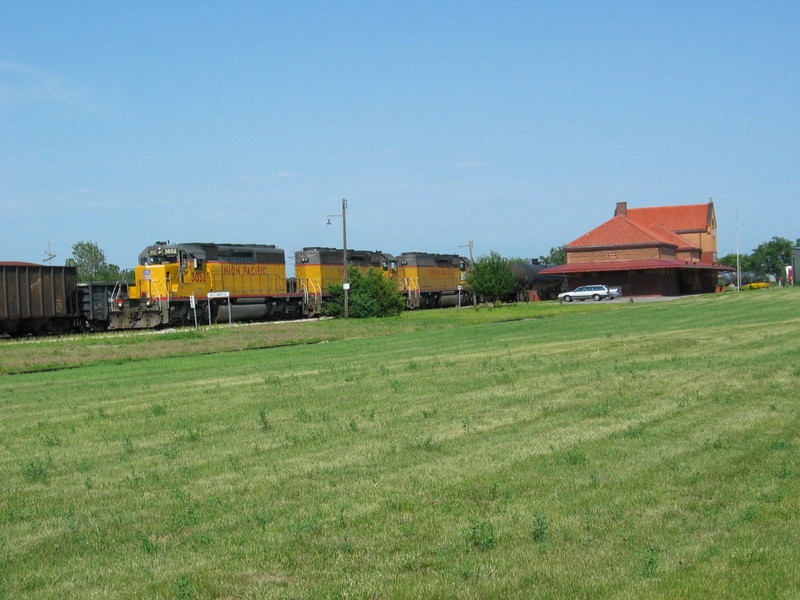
{"x":658,"y":251}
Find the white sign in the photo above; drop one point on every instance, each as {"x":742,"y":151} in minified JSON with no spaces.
{"x":191,"y":301}
{"x":345,"y":286}
{"x":219,"y":294}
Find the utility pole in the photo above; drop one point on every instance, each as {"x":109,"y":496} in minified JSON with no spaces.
{"x":48,"y":254}
{"x":738,"y":262}
{"x":346,"y":284}
{"x":471,"y":246}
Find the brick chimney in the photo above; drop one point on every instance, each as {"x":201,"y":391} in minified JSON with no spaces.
{"x":622,"y":209}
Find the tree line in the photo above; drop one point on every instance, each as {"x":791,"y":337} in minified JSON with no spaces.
{"x":768,"y":259}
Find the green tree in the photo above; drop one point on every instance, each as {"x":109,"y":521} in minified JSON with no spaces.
{"x":771,"y":258}
{"x":370,"y":295}
{"x":91,"y":263}
{"x":557,"y":256}
{"x":491,"y":277}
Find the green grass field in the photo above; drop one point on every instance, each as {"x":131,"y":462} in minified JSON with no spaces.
{"x":540,"y":451}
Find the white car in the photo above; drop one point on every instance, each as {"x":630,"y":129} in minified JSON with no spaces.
{"x":595,"y":292}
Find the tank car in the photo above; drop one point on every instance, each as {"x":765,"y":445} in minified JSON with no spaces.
{"x":200,"y":282}
{"x":531,"y":284}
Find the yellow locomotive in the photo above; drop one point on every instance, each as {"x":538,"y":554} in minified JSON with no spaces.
{"x":316,"y":269}
{"x":431,"y":280}
{"x":197,"y":282}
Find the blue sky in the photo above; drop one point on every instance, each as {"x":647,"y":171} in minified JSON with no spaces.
{"x":517,"y":125}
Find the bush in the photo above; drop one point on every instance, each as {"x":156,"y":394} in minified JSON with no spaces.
{"x":491,"y":277}
{"x":371,"y":295}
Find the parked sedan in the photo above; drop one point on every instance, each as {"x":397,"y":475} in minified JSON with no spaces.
{"x":595,"y":292}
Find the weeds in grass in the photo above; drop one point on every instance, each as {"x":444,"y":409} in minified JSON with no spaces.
{"x":480,"y":534}
{"x":262,"y":518}
{"x":158,"y":410}
{"x":191,"y":434}
{"x":574,"y":457}
{"x":38,"y":469}
{"x":647,"y":562}
{"x":264,"y":421}
{"x":183,"y":589}
{"x":148,"y":545}
{"x":51,"y":440}
{"x":428,"y":445}
{"x":780,"y":445}
{"x":539,"y":528}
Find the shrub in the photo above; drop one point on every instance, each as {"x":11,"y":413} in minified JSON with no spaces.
{"x":491,"y":277}
{"x":371,"y":295}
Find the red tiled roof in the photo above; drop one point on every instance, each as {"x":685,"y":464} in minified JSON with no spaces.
{"x":18,"y":264}
{"x":629,"y":265}
{"x":614,"y":232}
{"x":671,"y":237}
{"x":624,"y":231}
{"x":687,"y":217}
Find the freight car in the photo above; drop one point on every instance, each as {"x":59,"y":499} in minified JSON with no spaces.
{"x":36,"y":299}
{"x":45,"y":299}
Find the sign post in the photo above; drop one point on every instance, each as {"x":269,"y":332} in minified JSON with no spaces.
{"x":193,"y":305}
{"x":220,"y":295}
